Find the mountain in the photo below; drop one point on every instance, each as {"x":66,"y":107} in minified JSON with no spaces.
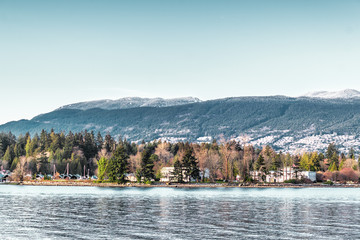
{"x":343,"y":94}
{"x":287,"y":124}
{"x":131,"y":102}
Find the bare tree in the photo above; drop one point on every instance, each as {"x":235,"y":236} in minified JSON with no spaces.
{"x":20,"y":169}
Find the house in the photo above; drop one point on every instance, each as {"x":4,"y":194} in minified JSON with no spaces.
{"x":283,"y":175}
{"x":309,"y":174}
{"x":4,"y":175}
{"x":205,"y":173}
{"x":130,"y":177}
{"x":167,"y":174}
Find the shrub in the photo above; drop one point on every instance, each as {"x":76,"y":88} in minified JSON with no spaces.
{"x":329,"y":182}
{"x":293,"y":181}
{"x":47,"y":177}
{"x":319,"y":177}
{"x":327,"y":176}
{"x":348,"y":174}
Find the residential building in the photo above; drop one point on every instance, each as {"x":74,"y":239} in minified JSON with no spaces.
{"x":283,"y":175}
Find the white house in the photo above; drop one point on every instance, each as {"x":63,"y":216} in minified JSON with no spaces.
{"x":130,"y":177}
{"x":167,"y":174}
{"x":283,"y":175}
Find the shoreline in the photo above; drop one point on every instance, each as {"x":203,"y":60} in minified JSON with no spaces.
{"x":177,"y":185}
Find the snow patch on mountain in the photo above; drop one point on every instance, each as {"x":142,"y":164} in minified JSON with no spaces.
{"x":131,"y":102}
{"x":344,"y":94}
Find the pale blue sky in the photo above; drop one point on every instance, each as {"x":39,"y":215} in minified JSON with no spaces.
{"x":54,"y":53}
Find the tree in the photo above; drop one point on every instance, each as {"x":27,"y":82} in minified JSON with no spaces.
{"x":331,"y":150}
{"x":20,"y":169}
{"x":315,"y":160}
{"x":27,"y":148}
{"x":305,"y":162}
{"x":55,"y":141}
{"x":42,"y":164}
{"x":89,"y":146}
{"x":8,"y":157}
{"x":352,"y":153}
{"x":102,"y":167}
{"x":109,"y":143}
{"x":147,"y":165}
{"x":231,"y":153}
{"x":276,"y":162}
{"x":190,"y":165}
{"x":118,"y":165}
{"x":99,"y":141}
{"x":334,"y":162}
{"x":178,"y":171}
{"x":248,"y":157}
{"x":259,"y":165}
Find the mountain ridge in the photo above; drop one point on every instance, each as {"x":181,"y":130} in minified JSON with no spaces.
{"x":286,"y":123}
{"x":130,"y":102}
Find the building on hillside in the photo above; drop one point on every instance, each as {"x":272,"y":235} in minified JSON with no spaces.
{"x":283,"y":175}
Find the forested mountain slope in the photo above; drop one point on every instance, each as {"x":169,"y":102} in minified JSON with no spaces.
{"x":285,"y":123}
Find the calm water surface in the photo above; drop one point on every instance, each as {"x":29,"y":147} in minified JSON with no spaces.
{"x":39,"y":212}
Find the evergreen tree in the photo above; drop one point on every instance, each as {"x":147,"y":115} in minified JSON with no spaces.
{"x":44,"y":140}
{"x":6,"y":140}
{"x":174,"y":149}
{"x":178,"y":171}
{"x":305,"y":162}
{"x":69,"y":145}
{"x":102,"y":168}
{"x":27,"y":148}
{"x":118,"y":165}
{"x":190,"y":165}
{"x":14,"y":164}
{"x":147,"y":165}
{"x":332,"y":167}
{"x":315,"y":159}
{"x":89,"y":147}
{"x":276,"y":162}
{"x":8,"y":157}
{"x":109,"y":143}
{"x":18,"y":150}
{"x":99,"y":141}
{"x":334,"y":162}
{"x":259,"y":164}
{"x":352,"y":153}
{"x":342,"y":161}
{"x":331,"y":151}
{"x":43,"y":165}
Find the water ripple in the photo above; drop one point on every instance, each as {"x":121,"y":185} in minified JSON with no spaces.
{"x":34,"y":212}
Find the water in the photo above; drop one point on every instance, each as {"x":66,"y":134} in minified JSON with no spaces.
{"x":39,"y":212}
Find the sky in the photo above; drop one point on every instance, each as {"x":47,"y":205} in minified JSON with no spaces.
{"x":58,"y":52}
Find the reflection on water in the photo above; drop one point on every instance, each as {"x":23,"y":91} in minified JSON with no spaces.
{"x":165,"y":213}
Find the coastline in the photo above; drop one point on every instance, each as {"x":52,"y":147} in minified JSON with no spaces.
{"x":177,"y":185}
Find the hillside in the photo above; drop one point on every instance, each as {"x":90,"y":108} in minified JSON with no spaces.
{"x":287,"y":124}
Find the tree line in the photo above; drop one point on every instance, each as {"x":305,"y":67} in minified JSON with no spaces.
{"x":112,"y":159}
